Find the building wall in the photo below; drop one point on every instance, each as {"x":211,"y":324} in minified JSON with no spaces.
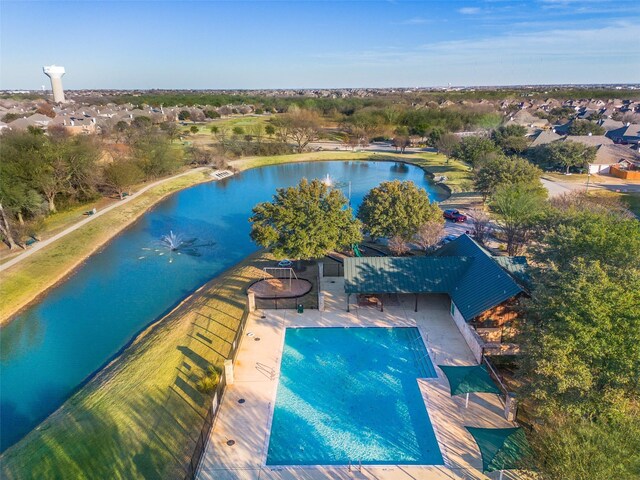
{"x":598,"y":168}
{"x":469,"y":334}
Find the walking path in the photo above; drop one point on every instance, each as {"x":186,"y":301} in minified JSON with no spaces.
{"x":44,"y":243}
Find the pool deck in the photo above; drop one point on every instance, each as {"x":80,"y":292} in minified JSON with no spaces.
{"x":256,"y":378}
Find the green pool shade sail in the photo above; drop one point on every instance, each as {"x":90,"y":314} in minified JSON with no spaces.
{"x":500,"y":448}
{"x":469,"y":379}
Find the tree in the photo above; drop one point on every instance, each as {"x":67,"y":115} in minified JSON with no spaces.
{"x":511,"y":139}
{"x":581,"y":339}
{"x":211,"y":114}
{"x":299,"y":126}
{"x":573,"y":448}
{"x":194,"y":129}
{"x":580,"y":360}
{"x":199,"y":155}
{"x":500,"y":170}
{"x":171,"y":130}
{"x":121,"y":175}
{"x":304,"y":222}
{"x":429,"y":234}
{"x":474,"y":150}
{"x":156,"y":157}
{"x":568,"y":154}
{"x":398,"y":246}
{"x":184,"y":115}
{"x":517,"y":208}
{"x":397,"y":208}
{"x":269,"y":129}
{"x":401,"y":142}
{"x":447,"y":144}
{"x":481,"y":226}
{"x":585,"y":127}
{"x":434,"y":135}
{"x":238,"y":130}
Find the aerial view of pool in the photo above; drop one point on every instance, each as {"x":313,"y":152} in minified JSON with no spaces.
{"x":351,"y":395}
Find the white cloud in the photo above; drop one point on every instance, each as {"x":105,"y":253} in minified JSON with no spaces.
{"x":586,"y":55}
{"x":415,"y":21}
{"x":469,"y":10}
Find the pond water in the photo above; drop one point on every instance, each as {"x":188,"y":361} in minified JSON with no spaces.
{"x":54,"y":346}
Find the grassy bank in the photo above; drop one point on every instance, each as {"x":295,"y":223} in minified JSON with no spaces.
{"x":140,"y":417}
{"x":25,"y":281}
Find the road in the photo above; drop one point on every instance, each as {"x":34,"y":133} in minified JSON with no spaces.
{"x":44,"y":243}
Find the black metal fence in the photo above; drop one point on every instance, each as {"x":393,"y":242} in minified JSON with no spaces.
{"x":216,"y":401}
{"x":308,"y":300}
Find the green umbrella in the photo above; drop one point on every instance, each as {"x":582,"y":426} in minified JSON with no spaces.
{"x":469,"y":379}
{"x":500,"y":448}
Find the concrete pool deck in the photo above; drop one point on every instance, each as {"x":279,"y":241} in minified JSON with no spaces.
{"x":256,"y":375}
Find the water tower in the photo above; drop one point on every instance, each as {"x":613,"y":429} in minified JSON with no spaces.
{"x":55,"y":73}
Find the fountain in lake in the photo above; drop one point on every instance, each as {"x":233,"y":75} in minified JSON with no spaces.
{"x":177,"y":244}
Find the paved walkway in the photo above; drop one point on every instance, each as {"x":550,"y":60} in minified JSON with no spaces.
{"x":44,"y":243}
{"x":256,"y":380}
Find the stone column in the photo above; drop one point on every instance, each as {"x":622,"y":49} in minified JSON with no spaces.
{"x":320,"y":270}
{"x":228,"y":371}
{"x":251,"y":301}
{"x":510,"y":407}
{"x":321,"y":301}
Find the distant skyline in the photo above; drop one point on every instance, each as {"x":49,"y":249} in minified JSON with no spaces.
{"x":304,"y":44}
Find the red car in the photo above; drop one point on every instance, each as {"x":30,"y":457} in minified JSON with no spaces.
{"x":454,"y":215}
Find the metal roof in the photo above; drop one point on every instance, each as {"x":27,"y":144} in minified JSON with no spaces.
{"x":469,"y":274}
{"x":402,"y":274}
{"x":484,"y":285}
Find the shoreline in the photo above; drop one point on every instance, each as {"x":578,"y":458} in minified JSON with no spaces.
{"x":8,"y":314}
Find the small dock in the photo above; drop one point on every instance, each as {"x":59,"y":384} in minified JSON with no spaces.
{"x":220,"y":174}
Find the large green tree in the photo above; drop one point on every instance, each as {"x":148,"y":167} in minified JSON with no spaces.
{"x":517,"y":209}
{"x":304,"y":222}
{"x":585,"y":127}
{"x":580,"y":361}
{"x":511,"y":139}
{"x":474,"y":150}
{"x":566,"y":154}
{"x":500,"y":170}
{"x":397,"y":208}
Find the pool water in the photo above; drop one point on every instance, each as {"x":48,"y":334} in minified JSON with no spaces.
{"x":351,"y":394}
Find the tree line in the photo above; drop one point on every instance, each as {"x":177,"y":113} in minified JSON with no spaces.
{"x":39,"y":174}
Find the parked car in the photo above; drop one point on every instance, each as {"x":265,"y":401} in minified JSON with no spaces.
{"x":286,"y":263}
{"x":454,"y":215}
{"x":447,"y":239}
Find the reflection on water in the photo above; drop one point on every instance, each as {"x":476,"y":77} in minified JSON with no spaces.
{"x":49,"y":350}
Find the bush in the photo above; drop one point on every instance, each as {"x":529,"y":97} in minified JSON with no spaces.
{"x":208,"y":382}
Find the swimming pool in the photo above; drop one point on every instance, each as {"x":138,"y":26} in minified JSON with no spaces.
{"x":351,"y":394}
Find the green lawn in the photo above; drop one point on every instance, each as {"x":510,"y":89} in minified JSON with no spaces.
{"x":141,"y":416}
{"x":25,"y":281}
{"x":227,"y":122}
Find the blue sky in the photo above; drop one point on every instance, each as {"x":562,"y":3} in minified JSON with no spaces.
{"x":304,"y":44}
